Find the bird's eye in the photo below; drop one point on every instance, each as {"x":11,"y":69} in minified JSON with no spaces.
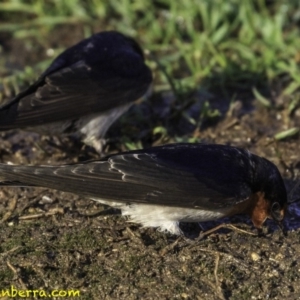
{"x":276,"y":211}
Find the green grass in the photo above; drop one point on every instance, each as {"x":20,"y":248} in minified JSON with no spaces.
{"x":225,"y":47}
{"x":193,"y":38}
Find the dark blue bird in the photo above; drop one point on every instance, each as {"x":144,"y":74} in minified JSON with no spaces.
{"x":162,"y":186}
{"x":84,"y":90}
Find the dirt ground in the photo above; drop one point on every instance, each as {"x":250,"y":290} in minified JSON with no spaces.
{"x":55,"y":240}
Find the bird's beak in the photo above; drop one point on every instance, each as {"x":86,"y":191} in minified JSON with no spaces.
{"x":279,"y":218}
{"x":282,"y":227}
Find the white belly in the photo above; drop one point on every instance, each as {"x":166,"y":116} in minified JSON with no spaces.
{"x":165,"y":218}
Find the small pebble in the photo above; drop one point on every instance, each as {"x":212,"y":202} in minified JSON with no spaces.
{"x":46,"y":200}
{"x":255,"y":256}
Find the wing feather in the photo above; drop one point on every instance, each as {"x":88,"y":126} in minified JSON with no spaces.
{"x":98,"y":74}
{"x":73,"y":92}
{"x":145,"y":177}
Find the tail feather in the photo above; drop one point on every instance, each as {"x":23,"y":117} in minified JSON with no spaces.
{"x":93,"y":179}
{"x":8,"y":176}
{"x":14,"y":183}
{"x":8,"y":115}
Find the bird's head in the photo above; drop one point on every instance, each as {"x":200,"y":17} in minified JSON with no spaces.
{"x":270,"y":183}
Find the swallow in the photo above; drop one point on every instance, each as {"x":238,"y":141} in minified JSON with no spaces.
{"x":83,"y":91}
{"x":162,"y":186}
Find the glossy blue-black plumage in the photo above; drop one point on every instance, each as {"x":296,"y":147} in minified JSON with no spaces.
{"x":178,"y":175}
{"x":103,"y":72}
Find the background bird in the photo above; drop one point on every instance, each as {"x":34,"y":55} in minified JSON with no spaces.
{"x":162,"y":186}
{"x":84,"y":90}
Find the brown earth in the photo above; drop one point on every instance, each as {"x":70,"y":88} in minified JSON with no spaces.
{"x":55,"y":240}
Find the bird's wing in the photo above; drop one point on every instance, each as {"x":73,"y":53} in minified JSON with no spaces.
{"x":138,"y":178}
{"x":74,"y":91}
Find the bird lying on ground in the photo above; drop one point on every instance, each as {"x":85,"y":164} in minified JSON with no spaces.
{"x":165,"y":185}
{"x":84,"y":90}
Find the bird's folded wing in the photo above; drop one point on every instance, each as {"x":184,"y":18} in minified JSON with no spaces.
{"x":136,"y":178}
{"x":72,"y":92}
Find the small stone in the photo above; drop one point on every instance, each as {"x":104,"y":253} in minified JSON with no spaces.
{"x":184,"y":295}
{"x":255,"y":256}
{"x":46,"y":200}
{"x":279,"y":256}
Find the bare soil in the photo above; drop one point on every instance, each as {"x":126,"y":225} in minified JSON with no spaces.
{"x":55,"y":240}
